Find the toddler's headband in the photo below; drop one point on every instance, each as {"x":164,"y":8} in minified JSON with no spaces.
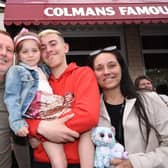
{"x":24,"y":34}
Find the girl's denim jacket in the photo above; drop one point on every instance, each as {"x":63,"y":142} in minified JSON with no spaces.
{"x":20,"y":88}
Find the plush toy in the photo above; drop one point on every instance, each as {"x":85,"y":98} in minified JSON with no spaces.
{"x":106,"y":147}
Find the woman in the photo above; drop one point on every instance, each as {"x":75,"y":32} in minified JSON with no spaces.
{"x":140,"y":118}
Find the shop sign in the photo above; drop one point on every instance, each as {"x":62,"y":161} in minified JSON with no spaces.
{"x":106,"y":11}
{"x":86,"y":13}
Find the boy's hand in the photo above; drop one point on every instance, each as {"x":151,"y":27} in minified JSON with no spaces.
{"x":56,"y":131}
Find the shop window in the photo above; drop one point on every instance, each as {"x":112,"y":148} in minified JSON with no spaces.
{"x":81,"y":46}
{"x":155,"y":42}
{"x":91,"y":43}
{"x":155,"y":52}
{"x":81,"y":60}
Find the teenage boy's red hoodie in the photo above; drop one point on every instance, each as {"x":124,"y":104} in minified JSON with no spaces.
{"x":82,"y":83}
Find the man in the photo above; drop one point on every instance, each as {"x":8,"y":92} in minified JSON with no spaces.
{"x":20,"y":146}
{"x":6,"y":59}
{"x":144,"y":82}
{"x":64,"y":78}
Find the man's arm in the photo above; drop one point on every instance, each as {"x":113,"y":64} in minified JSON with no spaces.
{"x":54,"y":130}
{"x":86,"y":110}
{"x":86,"y":106}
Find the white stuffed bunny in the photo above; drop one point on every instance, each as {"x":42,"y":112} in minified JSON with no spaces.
{"x":106,"y":147}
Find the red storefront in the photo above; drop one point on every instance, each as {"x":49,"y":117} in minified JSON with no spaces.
{"x":139,"y":28}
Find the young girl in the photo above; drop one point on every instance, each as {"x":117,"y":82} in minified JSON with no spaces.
{"x":29,"y":95}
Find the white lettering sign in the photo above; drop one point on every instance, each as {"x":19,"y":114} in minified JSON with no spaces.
{"x":150,"y":10}
{"x":96,"y":11}
{"x":106,"y":11}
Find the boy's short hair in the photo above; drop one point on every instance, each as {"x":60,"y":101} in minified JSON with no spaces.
{"x":50,"y":31}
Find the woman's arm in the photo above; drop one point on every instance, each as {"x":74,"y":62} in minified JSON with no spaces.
{"x":156,"y":151}
{"x":121,"y":163}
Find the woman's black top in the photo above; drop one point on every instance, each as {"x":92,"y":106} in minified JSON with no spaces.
{"x":116,"y":115}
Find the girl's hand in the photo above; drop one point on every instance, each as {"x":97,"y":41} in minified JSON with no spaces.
{"x":23,"y":132}
{"x":119,"y":163}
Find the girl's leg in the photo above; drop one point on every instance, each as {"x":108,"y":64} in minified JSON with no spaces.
{"x":56,"y":154}
{"x":86,"y":151}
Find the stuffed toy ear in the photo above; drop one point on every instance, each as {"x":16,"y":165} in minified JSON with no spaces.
{"x":93,"y":129}
{"x":93,"y":133}
{"x":113,"y":130}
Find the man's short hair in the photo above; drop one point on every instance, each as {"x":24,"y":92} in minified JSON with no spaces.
{"x":139,"y":78}
{"x":50,"y":31}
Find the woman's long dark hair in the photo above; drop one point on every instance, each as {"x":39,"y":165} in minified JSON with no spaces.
{"x":128,"y":90}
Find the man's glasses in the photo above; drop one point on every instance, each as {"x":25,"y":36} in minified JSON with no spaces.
{"x":96,"y":52}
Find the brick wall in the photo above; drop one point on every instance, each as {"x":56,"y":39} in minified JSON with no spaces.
{"x":133,"y":48}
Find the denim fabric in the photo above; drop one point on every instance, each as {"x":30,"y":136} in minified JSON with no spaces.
{"x":20,"y":88}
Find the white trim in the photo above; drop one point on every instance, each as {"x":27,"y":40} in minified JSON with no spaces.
{"x":158,"y":29}
{"x":155,"y":51}
{"x":2,"y":5}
